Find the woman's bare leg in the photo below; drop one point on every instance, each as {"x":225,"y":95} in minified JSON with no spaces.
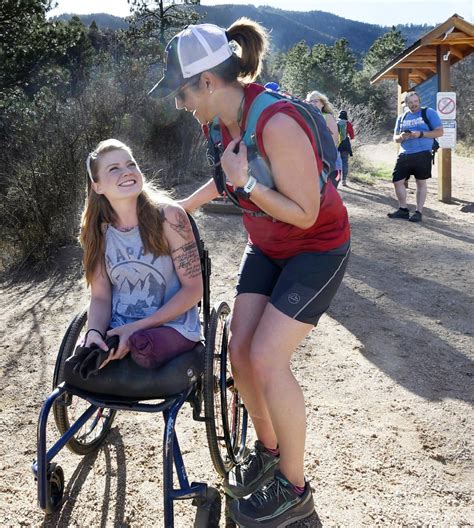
{"x":246,"y":314}
{"x":274,"y":342}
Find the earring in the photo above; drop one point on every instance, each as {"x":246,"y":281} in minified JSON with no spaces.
{"x":210,"y":91}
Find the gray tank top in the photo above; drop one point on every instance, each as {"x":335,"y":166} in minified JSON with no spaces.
{"x":141,"y":284}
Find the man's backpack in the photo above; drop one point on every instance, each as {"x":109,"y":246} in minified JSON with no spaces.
{"x":258,"y":166}
{"x":424,"y":116}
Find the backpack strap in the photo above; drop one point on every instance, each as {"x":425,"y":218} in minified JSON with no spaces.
{"x":258,"y":105}
{"x":424,"y":115}
{"x":400,"y":123}
{"x":214,"y":151}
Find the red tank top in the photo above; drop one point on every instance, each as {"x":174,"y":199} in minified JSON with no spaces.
{"x":279,"y":239}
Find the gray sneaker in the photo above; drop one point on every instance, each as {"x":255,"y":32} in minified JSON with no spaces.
{"x":275,"y":505}
{"x":252,"y":473}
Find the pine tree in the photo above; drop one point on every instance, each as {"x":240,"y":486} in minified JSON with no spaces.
{"x":297,"y":69}
{"x":161,"y":17}
{"x":383,"y":50}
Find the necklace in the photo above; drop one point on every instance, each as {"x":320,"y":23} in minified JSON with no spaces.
{"x":240,"y":112}
{"x":124,"y":229}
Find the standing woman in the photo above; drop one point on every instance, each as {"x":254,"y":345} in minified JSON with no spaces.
{"x":319,"y":100}
{"x":294,"y":262}
{"x":140,"y":260}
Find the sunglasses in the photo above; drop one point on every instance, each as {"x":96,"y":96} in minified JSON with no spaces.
{"x":180,"y":95}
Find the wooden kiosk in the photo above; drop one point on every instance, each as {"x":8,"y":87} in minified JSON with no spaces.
{"x":433,"y":54}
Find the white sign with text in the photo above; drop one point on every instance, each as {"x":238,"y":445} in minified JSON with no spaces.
{"x":448,"y":139}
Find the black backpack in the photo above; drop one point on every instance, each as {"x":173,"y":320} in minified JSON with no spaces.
{"x":424,"y":116}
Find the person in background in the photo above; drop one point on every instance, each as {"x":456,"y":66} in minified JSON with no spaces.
{"x":416,"y":143}
{"x":293,"y":265}
{"x":320,"y":100}
{"x":346,"y":133}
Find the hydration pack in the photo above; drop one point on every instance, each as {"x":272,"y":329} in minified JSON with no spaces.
{"x":258,"y":165}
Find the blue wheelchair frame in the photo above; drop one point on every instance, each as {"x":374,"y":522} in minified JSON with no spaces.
{"x":171,"y":450}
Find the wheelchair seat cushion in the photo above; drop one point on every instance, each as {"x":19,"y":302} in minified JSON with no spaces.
{"x":125,"y":379}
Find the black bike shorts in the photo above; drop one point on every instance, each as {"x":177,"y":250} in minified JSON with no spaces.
{"x":418,"y":165}
{"x":301,"y":287}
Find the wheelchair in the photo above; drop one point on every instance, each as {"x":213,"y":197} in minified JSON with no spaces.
{"x":84,"y":410}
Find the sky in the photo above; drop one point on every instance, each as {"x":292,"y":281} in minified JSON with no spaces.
{"x":382,"y":12}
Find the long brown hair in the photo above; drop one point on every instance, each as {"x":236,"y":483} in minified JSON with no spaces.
{"x":98,"y":213}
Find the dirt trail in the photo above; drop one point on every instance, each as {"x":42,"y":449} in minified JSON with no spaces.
{"x":388,"y":379}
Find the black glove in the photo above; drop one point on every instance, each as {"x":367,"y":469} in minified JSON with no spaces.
{"x":87,"y":360}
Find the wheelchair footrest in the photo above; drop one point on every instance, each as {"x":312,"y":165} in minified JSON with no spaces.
{"x":196,"y":491}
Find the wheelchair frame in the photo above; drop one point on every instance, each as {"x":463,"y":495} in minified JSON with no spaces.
{"x":226,"y":433}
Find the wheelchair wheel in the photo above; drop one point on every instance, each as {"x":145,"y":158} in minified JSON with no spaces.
{"x":55,"y":488}
{"x":208,"y":513}
{"x":68,"y":408}
{"x":226,"y":416}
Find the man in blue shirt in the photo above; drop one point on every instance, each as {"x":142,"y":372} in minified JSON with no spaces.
{"x":416,"y":142}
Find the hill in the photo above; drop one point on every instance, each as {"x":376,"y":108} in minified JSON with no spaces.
{"x":287,"y":27}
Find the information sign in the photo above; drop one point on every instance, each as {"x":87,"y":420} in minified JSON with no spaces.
{"x":448,"y":139}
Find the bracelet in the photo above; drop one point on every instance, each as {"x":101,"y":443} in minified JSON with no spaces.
{"x":94,"y":330}
{"x":421,"y":134}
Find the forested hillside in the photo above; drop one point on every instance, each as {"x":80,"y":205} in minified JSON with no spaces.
{"x":287,"y":27}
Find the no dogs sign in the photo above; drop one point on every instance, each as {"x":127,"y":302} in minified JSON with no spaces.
{"x":446,"y":105}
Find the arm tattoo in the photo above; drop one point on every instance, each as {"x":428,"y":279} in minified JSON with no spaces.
{"x":186,"y":258}
{"x":181,"y":225}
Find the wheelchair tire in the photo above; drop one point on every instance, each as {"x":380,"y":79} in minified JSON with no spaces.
{"x":226,"y":416}
{"x":208,"y":513}
{"x":68,"y":407}
{"x":54,"y":488}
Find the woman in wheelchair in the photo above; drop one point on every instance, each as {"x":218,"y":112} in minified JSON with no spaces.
{"x":294,"y":262}
{"x":141,"y":263}
{"x":148,"y":271}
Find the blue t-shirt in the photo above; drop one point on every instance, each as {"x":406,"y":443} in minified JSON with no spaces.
{"x":415,"y":122}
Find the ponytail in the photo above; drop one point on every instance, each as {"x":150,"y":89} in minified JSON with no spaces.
{"x":245,"y":64}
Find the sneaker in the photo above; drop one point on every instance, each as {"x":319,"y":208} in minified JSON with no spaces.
{"x":252,"y":473}
{"x":415,"y":217}
{"x":276,"y":505}
{"x":344,"y":183}
{"x":400,"y":213}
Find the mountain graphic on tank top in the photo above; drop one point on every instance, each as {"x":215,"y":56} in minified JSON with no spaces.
{"x":136,"y":295}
